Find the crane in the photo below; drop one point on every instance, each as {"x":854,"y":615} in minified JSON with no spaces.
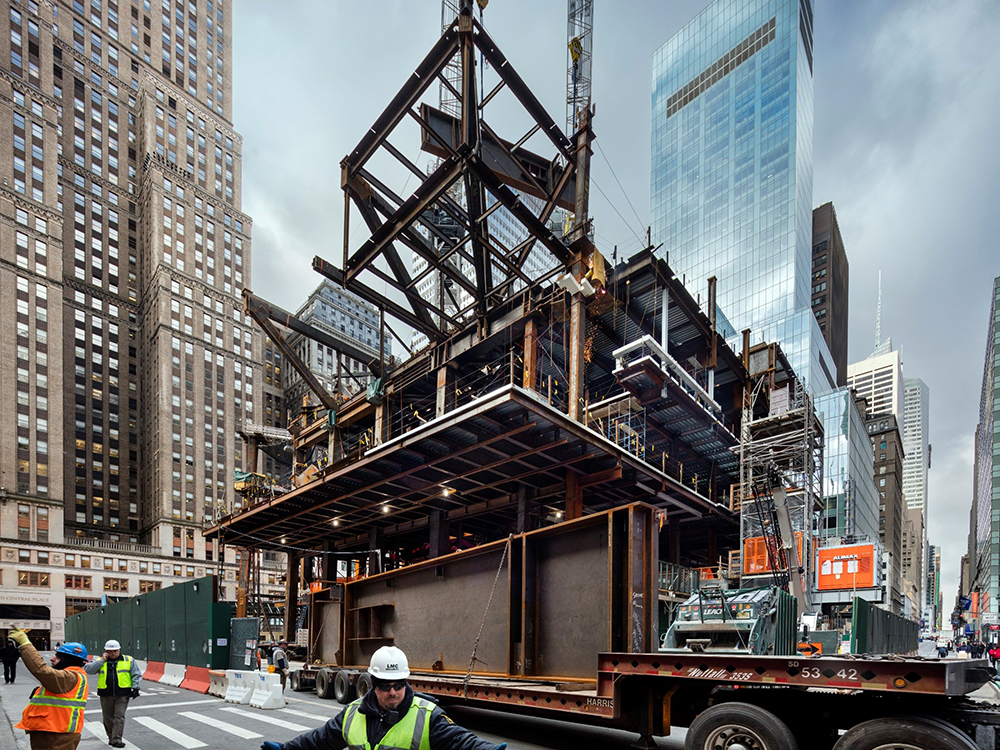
{"x":580,"y":35}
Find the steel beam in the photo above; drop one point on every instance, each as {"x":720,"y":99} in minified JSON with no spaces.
{"x":433,"y":187}
{"x":521,"y":212}
{"x":368,"y":294}
{"x":424,"y":75}
{"x":520,"y":89}
{"x":281,"y":342}
{"x":258,"y":308}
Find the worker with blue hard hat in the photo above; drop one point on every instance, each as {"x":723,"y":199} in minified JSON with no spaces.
{"x":53,"y":717}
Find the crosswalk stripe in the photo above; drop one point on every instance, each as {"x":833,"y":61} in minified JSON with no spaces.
{"x":142,"y":705}
{"x":305,"y":714}
{"x":169,"y":732}
{"x":224,"y":726}
{"x":97,"y":729}
{"x":266,"y":716}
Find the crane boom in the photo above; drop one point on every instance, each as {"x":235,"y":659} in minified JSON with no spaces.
{"x":791,"y":552}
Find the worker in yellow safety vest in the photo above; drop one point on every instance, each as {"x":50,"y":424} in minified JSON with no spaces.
{"x":53,"y":717}
{"x":118,"y":678}
{"x":389,"y":715}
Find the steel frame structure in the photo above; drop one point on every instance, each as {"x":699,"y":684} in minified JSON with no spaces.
{"x":778,"y":443}
{"x":472,"y":156}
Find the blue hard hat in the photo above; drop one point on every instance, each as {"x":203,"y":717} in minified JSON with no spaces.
{"x":73,"y":649}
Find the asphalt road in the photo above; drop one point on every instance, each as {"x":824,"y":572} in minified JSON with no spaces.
{"x":167,"y":718}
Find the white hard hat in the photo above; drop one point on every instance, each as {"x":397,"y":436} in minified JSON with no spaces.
{"x":112,"y":645}
{"x":389,"y":663}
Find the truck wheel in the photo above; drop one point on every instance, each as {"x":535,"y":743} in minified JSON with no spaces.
{"x":364,"y":684}
{"x":738,"y":725}
{"x":904,"y":733}
{"x":324,"y":684}
{"x":343,"y":690}
{"x":293,"y":681}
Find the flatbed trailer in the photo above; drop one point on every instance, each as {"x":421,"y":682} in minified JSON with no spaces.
{"x":573,"y":590}
{"x":738,"y":702}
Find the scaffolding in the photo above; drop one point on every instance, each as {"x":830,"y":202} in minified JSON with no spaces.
{"x":781,"y":440}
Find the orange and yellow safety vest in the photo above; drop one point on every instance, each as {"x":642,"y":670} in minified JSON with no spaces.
{"x":57,"y":712}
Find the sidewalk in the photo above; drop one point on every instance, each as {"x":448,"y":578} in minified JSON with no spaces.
{"x":13,"y":699}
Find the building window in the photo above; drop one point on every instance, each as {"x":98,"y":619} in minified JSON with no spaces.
{"x":32,"y":578}
{"x":84,"y":561}
{"x":23,"y":522}
{"x":146,"y":586}
{"x":42,"y":523}
{"x":116,"y":584}
{"x":78,"y":582}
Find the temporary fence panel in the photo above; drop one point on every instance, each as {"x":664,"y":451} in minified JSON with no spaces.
{"x":877,"y":631}
{"x":786,"y":625}
{"x":174,"y":633}
{"x":155,"y":616}
{"x":113,"y":627}
{"x":219,"y":635}
{"x":126,"y":629}
{"x":245,"y":635}
{"x":181,"y":624}
{"x":139,"y":629}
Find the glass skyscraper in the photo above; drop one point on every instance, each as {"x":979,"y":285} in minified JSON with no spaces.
{"x":731,"y":192}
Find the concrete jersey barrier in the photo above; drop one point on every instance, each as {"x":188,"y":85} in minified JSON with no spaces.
{"x":196,"y":679}
{"x":173,"y":675}
{"x":218,"y":684}
{"x":240,"y":686}
{"x":267,"y":691}
{"x":154,"y":671}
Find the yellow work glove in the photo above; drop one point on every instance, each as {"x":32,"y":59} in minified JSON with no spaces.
{"x":19,"y":637}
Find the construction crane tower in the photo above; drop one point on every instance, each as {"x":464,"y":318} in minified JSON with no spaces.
{"x":580,"y":37}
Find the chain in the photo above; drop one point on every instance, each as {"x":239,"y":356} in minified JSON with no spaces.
{"x":475,"y":646}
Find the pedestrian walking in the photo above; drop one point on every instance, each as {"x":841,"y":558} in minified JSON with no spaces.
{"x":53,"y":717}
{"x":9,"y":657}
{"x":118,"y":679}
{"x":388,"y":715}
{"x":995,"y":655}
{"x":279,"y":659}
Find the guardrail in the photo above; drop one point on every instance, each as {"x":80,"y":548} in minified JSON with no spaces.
{"x":677,"y":578}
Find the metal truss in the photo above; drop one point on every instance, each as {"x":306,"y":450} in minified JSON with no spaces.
{"x":478,"y":172}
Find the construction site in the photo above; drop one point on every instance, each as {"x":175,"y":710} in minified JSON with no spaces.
{"x":548,"y":380}
{"x":536,"y":400}
{"x":580,"y":492}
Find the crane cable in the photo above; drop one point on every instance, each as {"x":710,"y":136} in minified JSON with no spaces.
{"x":475,"y":646}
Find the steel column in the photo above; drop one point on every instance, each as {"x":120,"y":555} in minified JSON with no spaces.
{"x":529,"y":373}
{"x":291,"y":595}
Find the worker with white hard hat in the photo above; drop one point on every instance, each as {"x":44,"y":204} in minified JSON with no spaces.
{"x":118,"y":678}
{"x":388,"y":715}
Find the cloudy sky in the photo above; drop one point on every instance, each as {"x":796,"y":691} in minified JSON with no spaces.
{"x":907,"y":98}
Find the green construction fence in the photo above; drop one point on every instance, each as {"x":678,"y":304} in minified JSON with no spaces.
{"x":180,"y":624}
{"x":879,"y":632}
